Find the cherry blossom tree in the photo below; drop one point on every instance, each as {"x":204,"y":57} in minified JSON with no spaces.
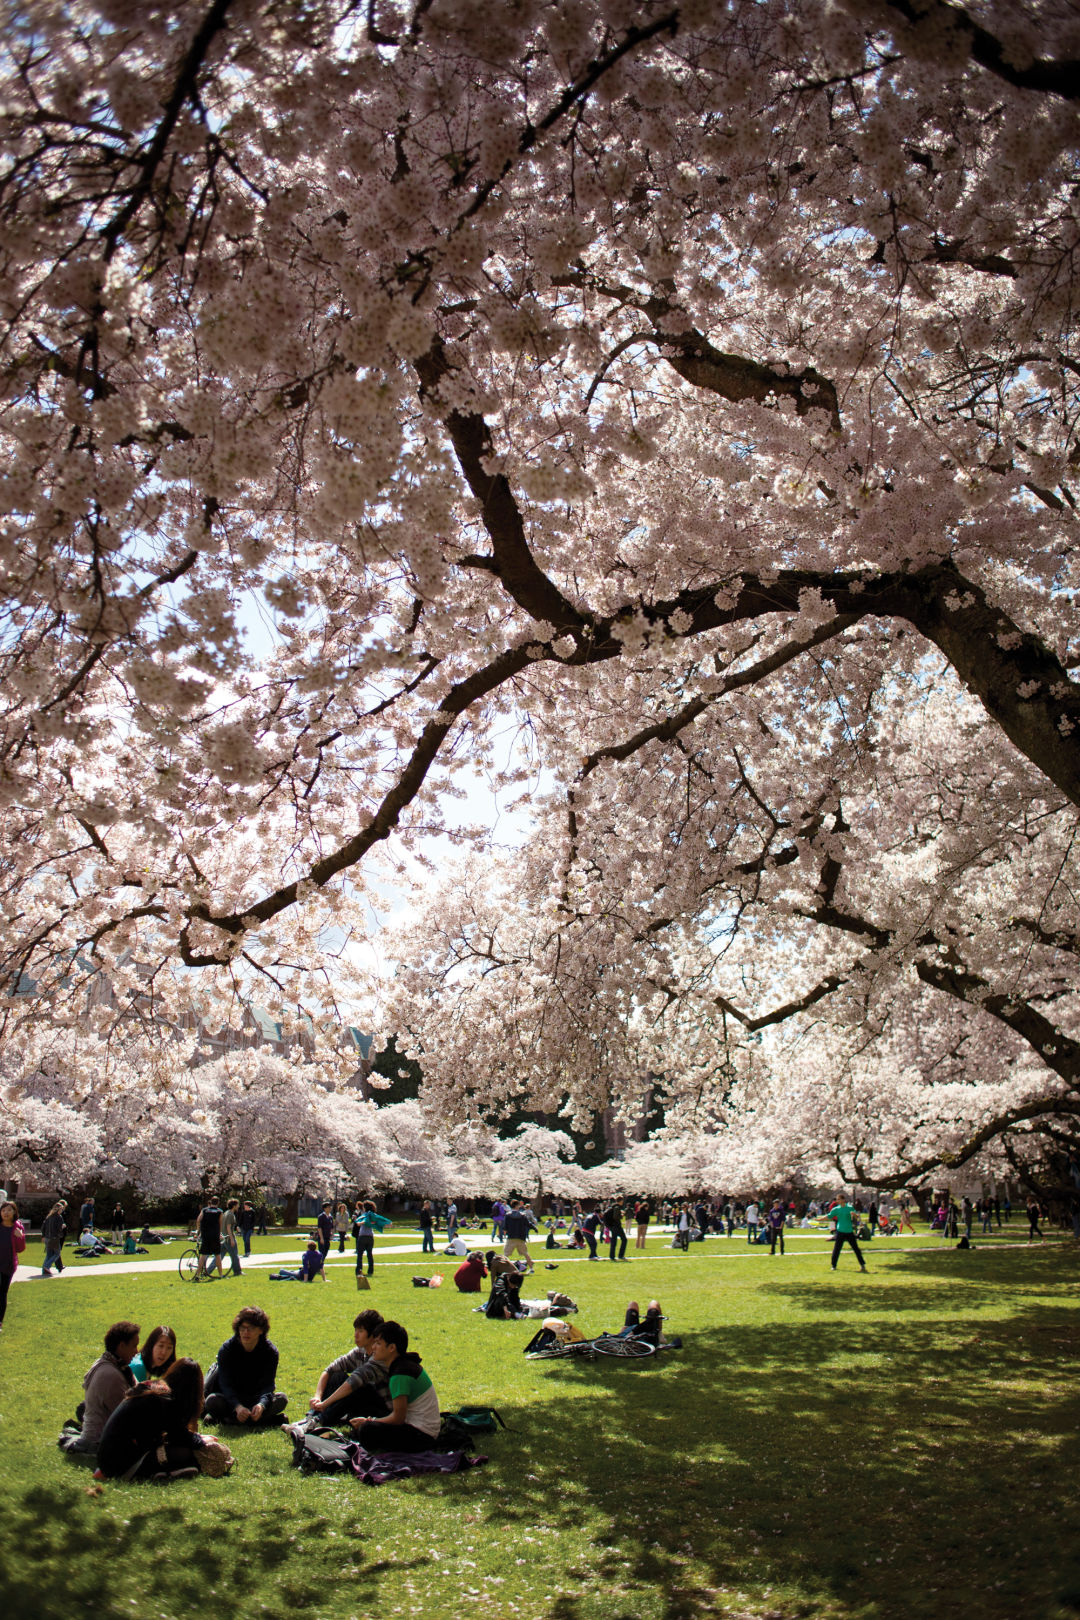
{"x":693,"y":387}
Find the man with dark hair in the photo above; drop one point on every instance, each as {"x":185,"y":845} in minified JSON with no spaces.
{"x":325,"y":1224}
{"x":229,"y":1225}
{"x":208,"y":1232}
{"x":105,"y":1385}
{"x":247,"y":1224}
{"x":517,"y":1231}
{"x":613,"y":1220}
{"x":842,"y":1216}
{"x":240,"y":1384}
{"x":355,"y":1385}
{"x":413,"y":1422}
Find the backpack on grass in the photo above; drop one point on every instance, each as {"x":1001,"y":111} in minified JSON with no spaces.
{"x":459,"y":1429}
{"x":321,"y":1454}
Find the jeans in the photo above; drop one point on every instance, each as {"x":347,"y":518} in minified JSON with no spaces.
{"x":618,"y":1237}
{"x":776,"y":1233}
{"x":246,"y":1235}
{"x":365,"y":1244}
{"x":838,"y":1243}
{"x":590,"y":1238}
{"x":52,"y":1258}
{"x":428,"y":1245}
{"x":233,"y":1253}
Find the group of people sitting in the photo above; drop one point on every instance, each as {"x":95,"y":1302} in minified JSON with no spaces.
{"x":143,"y":1403}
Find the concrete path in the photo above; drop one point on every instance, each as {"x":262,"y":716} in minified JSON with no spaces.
{"x":388,"y":1256}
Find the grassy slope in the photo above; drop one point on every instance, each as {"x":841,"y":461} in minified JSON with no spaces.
{"x":844,"y":1447}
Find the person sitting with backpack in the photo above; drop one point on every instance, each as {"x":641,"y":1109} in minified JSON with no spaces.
{"x":413,"y":1422}
{"x":240,"y":1384}
{"x":355,"y":1385}
{"x":469,"y":1276}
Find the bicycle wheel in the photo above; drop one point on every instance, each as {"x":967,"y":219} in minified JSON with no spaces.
{"x":624,"y":1349}
{"x":189,"y":1265}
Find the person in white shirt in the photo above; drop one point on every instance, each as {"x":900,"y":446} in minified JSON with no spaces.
{"x":751,"y":1222}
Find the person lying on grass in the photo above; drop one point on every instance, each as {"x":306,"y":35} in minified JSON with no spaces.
{"x":240,"y":1384}
{"x":355,"y":1385}
{"x":311,"y":1266}
{"x":153,"y":1434}
{"x":413,"y":1422}
{"x":104,"y":1387}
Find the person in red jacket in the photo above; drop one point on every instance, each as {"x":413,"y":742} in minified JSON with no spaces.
{"x":471,"y":1274}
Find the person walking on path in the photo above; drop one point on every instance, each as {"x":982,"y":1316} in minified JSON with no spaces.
{"x":517,"y":1234}
{"x":427,"y":1220}
{"x":53,"y":1232}
{"x":208,"y":1231}
{"x":1033,"y":1213}
{"x":843,"y":1219}
{"x":230,"y":1223}
{"x":905,"y":1220}
{"x":613,"y":1220}
{"x":325,"y":1227}
{"x":247,"y":1225}
{"x":12,"y":1244}
{"x":341,"y":1226}
{"x":775,"y":1221}
{"x":365,"y":1224}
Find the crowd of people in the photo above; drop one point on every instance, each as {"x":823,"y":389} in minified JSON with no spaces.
{"x":143,"y":1402}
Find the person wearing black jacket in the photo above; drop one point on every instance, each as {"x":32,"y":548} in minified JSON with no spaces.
{"x":150,"y":1434}
{"x":613,"y":1220}
{"x":240,"y":1384}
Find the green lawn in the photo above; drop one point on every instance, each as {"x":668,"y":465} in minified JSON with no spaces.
{"x":886,"y":1447}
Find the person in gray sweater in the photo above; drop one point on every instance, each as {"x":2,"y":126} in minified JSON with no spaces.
{"x":354,"y":1385}
{"x":105,"y":1386}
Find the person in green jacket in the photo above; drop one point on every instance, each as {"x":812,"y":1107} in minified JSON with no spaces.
{"x":843,"y":1219}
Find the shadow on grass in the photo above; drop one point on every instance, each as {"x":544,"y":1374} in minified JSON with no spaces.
{"x":896,"y":1469}
{"x":892,"y":1447}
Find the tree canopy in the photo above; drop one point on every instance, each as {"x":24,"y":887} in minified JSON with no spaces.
{"x":692,"y":388}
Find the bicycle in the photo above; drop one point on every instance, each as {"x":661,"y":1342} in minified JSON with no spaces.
{"x":605,"y":1344}
{"x":188,"y":1266}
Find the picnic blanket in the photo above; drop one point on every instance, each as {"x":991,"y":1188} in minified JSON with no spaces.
{"x":379,"y":1468}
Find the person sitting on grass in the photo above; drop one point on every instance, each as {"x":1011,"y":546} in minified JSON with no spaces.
{"x":413,"y":1422}
{"x":504,"y":1301}
{"x":157,"y":1355}
{"x":355,"y":1385}
{"x":240,"y":1384}
{"x":152,"y":1433}
{"x":651,"y":1329}
{"x":104,"y":1386}
{"x":90,"y":1246}
{"x":311,"y":1266}
{"x":469,"y":1276}
{"x":631,"y":1321}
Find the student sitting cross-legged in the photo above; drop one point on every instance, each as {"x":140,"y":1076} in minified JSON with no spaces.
{"x":105,"y":1386}
{"x":355,"y":1385}
{"x":413,"y":1422}
{"x":240,"y":1384}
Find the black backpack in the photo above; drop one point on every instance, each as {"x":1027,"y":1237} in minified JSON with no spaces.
{"x":321,"y":1454}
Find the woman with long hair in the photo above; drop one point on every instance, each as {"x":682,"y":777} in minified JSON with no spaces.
{"x":153,"y":1434}
{"x":156,"y":1356}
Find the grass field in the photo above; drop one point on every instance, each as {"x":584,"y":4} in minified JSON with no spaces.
{"x":843,"y":1447}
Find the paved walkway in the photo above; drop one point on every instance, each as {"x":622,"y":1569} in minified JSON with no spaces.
{"x":388,"y":1256}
